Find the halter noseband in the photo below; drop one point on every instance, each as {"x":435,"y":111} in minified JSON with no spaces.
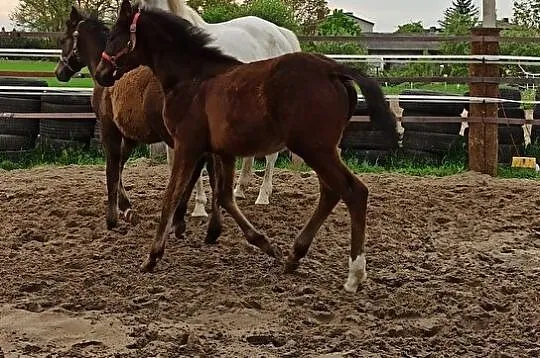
{"x":64,"y":60}
{"x":130,"y":45}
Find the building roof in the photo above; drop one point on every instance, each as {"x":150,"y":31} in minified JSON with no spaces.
{"x":350,"y":14}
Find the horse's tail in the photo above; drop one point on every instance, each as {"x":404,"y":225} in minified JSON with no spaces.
{"x":379,"y":111}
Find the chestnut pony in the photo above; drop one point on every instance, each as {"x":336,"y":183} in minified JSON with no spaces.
{"x":217,"y":104}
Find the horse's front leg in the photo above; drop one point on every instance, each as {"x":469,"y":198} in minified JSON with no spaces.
{"x":245,"y":177}
{"x":226,"y":197}
{"x":184,"y":165}
{"x":266,"y":188}
{"x":179,"y":223}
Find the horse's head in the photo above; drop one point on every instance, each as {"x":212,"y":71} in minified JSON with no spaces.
{"x":70,"y":61}
{"x":82,"y":44}
{"x":120,"y":55}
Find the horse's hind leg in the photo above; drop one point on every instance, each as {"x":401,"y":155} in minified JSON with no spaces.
{"x":339,"y":182}
{"x":227,"y":201}
{"x":123,"y":201}
{"x":245,"y":177}
{"x":182,"y":173}
{"x":266,"y":188}
{"x":179,"y":223}
{"x":112,"y":140}
{"x":199,"y":211}
{"x":215,"y":225}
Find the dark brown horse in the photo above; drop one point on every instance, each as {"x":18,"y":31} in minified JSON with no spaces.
{"x":130,"y":112}
{"x":214,"y":103}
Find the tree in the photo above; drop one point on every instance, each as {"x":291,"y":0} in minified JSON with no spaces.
{"x":459,"y":9}
{"x":411,"y":28}
{"x":339,"y":24}
{"x":275,"y":11}
{"x":526,"y":13}
{"x":309,"y":13}
{"x":50,"y":15}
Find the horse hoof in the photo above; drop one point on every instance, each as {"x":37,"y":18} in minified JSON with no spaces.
{"x":148,"y":265}
{"x":111,"y":224}
{"x":262,"y":201}
{"x":132,"y":217}
{"x":239,"y":193}
{"x":291,"y":266}
{"x":199,"y":213}
{"x":275,"y":252}
{"x":212,"y":236}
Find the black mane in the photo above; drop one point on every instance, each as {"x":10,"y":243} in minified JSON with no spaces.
{"x":181,"y":35}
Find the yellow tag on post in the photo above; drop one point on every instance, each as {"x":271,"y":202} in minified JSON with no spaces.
{"x":524,"y":162}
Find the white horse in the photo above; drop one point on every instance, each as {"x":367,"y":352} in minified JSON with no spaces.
{"x":248,"y":39}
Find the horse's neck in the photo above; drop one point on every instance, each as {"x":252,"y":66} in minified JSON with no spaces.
{"x":92,"y":54}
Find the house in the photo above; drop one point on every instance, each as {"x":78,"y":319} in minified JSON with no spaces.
{"x":365,"y":25}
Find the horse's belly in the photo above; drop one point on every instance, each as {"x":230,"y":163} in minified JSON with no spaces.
{"x":247,"y":143}
{"x":134,"y":128}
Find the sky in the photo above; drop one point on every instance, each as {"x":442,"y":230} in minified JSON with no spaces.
{"x":386,"y":14}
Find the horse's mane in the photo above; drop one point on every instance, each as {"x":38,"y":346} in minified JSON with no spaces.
{"x":93,"y":20}
{"x":183,"y":36}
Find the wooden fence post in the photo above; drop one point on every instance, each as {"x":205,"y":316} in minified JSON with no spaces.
{"x":483,"y":137}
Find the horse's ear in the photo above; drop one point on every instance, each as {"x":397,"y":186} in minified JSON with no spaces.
{"x":74,"y":16}
{"x":125,"y":11}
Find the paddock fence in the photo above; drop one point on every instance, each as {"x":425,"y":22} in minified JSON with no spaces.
{"x":432,"y":124}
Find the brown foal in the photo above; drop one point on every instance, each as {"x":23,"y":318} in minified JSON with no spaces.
{"x":216,"y":104}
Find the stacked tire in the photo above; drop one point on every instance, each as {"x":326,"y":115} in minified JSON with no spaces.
{"x":363,"y":141}
{"x":58,"y":134}
{"x":510,"y":136}
{"x":18,"y":136}
{"x":535,"y":133}
{"x":430,"y":140}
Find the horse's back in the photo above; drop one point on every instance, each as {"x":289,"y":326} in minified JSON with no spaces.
{"x":251,"y":39}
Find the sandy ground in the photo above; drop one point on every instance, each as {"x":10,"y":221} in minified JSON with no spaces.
{"x":453,"y":270}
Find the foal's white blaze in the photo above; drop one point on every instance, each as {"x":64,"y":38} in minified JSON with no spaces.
{"x":357,"y":273}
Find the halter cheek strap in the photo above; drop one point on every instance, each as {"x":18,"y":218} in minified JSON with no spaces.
{"x":74,"y":49}
{"x":130,"y":45}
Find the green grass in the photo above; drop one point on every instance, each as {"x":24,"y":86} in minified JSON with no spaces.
{"x":439,"y":87}
{"x":45,"y":66}
{"x":398,"y":163}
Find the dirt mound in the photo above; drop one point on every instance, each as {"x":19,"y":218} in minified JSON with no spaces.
{"x":453,"y":267}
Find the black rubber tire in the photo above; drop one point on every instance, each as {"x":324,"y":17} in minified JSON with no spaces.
{"x":431,"y":108}
{"x":15,"y":142}
{"x":507,"y":151}
{"x":67,"y":100}
{"x":25,"y":127}
{"x":70,"y":129}
{"x":14,"y":155}
{"x":430,"y":142}
{"x":56,"y":144}
{"x":370,"y":156}
{"x":511,"y":134}
{"x":423,"y":155}
{"x":448,"y":128}
{"x":510,"y":112}
{"x":535,"y":135}
{"x":67,"y":129}
{"x":22,"y":82}
{"x":505,"y":92}
{"x":365,"y":140}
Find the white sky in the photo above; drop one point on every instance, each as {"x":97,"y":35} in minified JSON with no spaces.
{"x":386,"y":14}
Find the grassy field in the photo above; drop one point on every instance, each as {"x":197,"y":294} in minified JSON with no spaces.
{"x":45,"y":66}
{"x":48,"y":66}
